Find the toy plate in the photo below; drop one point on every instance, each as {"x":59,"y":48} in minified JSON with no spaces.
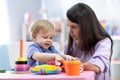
{"x":45,"y":69}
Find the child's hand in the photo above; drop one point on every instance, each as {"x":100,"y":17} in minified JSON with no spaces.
{"x":58,"y":57}
{"x":59,"y":60}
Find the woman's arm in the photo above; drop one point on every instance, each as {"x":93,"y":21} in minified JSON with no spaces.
{"x":91,"y":67}
{"x":101,"y":58}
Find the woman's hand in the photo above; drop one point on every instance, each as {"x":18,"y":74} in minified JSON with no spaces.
{"x":69,"y":58}
{"x":62,"y":57}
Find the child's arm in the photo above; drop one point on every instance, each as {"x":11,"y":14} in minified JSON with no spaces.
{"x":44,"y":57}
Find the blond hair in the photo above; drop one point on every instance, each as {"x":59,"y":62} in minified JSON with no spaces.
{"x":40,"y":25}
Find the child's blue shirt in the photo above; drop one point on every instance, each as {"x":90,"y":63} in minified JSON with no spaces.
{"x":35,"y":47}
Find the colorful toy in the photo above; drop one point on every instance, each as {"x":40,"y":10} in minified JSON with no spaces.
{"x":71,"y":67}
{"x":45,"y":69}
{"x":21,"y":65}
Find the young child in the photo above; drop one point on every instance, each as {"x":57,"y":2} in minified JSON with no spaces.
{"x":88,"y":40}
{"x":42,"y":51}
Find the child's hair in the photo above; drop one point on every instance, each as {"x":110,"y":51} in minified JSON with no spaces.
{"x":40,"y":25}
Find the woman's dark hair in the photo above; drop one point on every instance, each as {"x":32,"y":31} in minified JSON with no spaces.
{"x":91,"y":30}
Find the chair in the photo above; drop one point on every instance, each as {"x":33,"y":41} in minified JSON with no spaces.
{"x":4,"y":57}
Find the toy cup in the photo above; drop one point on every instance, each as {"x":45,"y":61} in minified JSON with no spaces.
{"x":71,"y":67}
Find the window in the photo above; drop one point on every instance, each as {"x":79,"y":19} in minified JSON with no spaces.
{"x":4,"y":24}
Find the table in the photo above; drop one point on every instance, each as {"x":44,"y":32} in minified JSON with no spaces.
{"x":85,"y":75}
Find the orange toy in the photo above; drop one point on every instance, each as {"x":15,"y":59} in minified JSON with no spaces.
{"x":71,"y":67}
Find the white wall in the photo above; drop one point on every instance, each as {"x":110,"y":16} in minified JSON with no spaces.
{"x":104,"y":9}
{"x":16,"y":11}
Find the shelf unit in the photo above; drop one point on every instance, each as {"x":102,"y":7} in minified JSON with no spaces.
{"x":25,"y":32}
{"x":115,"y":65}
{"x":116,"y":46}
{"x":115,"y":70}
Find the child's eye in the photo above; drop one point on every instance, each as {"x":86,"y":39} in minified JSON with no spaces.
{"x":45,"y":37}
{"x":51,"y":38}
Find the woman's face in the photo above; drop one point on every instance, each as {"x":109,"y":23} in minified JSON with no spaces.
{"x":73,"y":29}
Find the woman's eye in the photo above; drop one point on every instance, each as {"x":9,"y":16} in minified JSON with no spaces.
{"x":74,"y":27}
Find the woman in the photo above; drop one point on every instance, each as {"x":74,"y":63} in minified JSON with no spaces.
{"x":88,"y":40}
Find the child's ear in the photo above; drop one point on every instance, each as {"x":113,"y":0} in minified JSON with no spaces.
{"x":33,"y":36}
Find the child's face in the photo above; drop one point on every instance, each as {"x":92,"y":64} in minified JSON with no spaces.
{"x":73,"y":29}
{"x":45,"y":40}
